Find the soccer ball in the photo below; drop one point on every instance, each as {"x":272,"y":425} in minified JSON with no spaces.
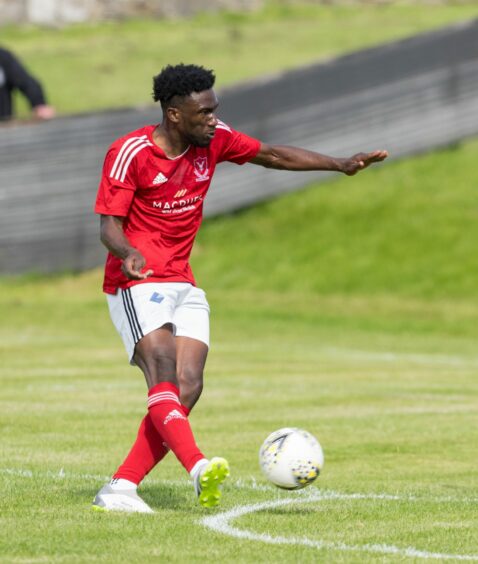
{"x":291,"y":458}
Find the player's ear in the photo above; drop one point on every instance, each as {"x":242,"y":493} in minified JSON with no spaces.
{"x":172,"y":114}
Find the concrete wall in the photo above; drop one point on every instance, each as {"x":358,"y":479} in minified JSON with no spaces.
{"x":409,"y":96}
{"x":58,"y":12}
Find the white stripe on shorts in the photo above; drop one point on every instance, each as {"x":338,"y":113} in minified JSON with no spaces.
{"x":131,"y":315}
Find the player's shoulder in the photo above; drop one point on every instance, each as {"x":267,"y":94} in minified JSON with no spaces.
{"x":226,"y":133}
{"x":137,"y":139}
{"x":128,"y":149}
{"x":223,"y":129}
{"x":223,"y":136}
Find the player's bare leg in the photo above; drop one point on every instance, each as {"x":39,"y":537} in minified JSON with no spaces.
{"x":168,"y":363}
{"x":157,"y":357}
{"x":155,"y":354}
{"x":177,"y":362}
{"x":191,"y":356}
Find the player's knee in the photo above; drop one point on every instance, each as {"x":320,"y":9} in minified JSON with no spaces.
{"x":160,"y":366}
{"x":191,"y":385}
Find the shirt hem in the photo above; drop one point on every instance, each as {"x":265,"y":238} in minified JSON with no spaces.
{"x":104,"y":211}
{"x":113,"y":289}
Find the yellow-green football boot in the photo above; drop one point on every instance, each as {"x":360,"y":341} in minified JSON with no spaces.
{"x":209,"y":479}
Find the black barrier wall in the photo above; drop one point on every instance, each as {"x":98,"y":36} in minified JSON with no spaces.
{"x":407,"y":97}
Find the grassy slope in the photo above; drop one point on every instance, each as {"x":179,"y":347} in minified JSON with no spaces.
{"x":403,"y":229}
{"x":89,"y":67}
{"x":384,"y":374}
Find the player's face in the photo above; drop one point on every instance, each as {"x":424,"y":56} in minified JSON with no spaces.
{"x":197,"y":122}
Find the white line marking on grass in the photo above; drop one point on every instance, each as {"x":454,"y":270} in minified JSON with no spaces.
{"x":61,"y":474}
{"x":434,"y":359}
{"x":241,"y":483}
{"x":221,"y":524}
{"x":415,"y":358}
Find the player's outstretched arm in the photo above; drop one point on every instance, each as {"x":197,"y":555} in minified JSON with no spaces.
{"x":282,"y":157}
{"x":114,"y":239}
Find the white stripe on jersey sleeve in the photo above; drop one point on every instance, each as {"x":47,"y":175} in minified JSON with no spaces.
{"x":222,"y":125}
{"x":123,"y":149}
{"x":119,"y":171}
{"x":132,"y":154}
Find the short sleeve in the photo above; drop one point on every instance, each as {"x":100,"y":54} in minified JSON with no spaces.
{"x":117,"y":185}
{"x":237,"y":147}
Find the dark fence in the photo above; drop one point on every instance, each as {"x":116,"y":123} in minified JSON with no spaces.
{"x":407,"y":97}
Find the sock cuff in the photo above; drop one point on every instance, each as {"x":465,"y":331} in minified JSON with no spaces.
{"x":186,"y":410}
{"x":121,"y":483}
{"x":165,"y":392}
{"x":164,"y":387}
{"x":198,"y":466}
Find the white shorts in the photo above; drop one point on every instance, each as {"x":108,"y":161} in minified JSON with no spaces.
{"x":138,"y":310}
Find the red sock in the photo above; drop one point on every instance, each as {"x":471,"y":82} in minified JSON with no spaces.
{"x":147,"y":451}
{"x":171,"y":422}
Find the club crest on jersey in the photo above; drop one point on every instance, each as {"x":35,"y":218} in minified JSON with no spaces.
{"x":201,"y":169}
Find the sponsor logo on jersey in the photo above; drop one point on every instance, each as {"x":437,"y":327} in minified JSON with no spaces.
{"x":201,"y":169}
{"x":180,"y":193}
{"x":174,"y":414}
{"x":160,"y":178}
{"x":177,"y":206}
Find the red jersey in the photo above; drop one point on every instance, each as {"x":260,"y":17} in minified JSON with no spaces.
{"x":161,"y":199}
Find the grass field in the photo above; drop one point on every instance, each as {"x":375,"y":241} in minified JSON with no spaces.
{"x":349,"y":309}
{"x":108,"y":65}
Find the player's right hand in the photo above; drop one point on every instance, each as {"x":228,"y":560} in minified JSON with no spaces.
{"x":132,"y":266}
{"x":362,"y":160}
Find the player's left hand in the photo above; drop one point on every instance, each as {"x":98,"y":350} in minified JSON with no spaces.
{"x":361,"y":160}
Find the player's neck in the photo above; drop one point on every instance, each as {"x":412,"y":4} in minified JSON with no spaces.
{"x":170,"y":141}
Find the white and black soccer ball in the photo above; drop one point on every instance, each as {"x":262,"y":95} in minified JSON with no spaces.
{"x":291,"y":458}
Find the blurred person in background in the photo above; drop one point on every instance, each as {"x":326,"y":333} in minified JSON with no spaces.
{"x":14,"y":76}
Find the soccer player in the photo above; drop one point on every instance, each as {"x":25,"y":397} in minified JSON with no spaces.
{"x":150,"y":200}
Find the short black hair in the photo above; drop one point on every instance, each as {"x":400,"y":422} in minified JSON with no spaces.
{"x":181,"y":80}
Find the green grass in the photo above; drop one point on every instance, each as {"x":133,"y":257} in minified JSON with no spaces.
{"x":380,"y":364}
{"x":107,"y":65}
